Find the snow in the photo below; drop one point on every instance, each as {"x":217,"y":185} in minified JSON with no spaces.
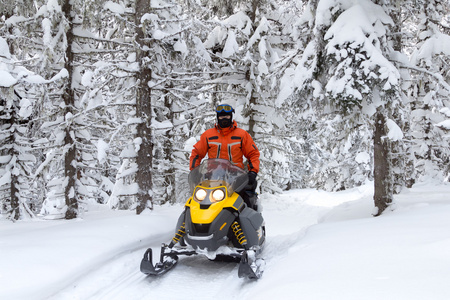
{"x":158,"y":4}
{"x":159,"y":34}
{"x":262,"y":27}
{"x":6,"y":79}
{"x":231,"y":45}
{"x":52,"y":5}
{"x":240,"y":20}
{"x":26,"y":108}
{"x":149,"y":17}
{"x":444,"y":124}
{"x":5,"y":179}
{"x":218,"y":34}
{"x":4,"y":49}
{"x":61,"y":74}
{"x":438,"y":44}
{"x":394,"y":131}
{"x":86,"y":79}
{"x":368,"y":109}
{"x":361,"y":27}
{"x":47,"y":28}
{"x":102,"y":150}
{"x":114,"y":7}
{"x":445,"y":111}
{"x":163,"y":126}
{"x":319,"y":245}
{"x":182,"y":47}
{"x":362,"y":157}
{"x":189,"y":144}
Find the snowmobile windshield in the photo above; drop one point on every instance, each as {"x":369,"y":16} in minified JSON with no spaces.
{"x":218,"y":172}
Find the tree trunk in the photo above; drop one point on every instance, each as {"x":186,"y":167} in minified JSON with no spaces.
{"x":144,"y":112}
{"x":169,"y":178}
{"x":253,"y":99}
{"x":251,"y":115}
{"x":14,"y":191}
{"x":382,"y":194}
{"x":251,"y":111}
{"x":70,"y":162}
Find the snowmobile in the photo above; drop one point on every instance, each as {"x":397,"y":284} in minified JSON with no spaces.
{"x":216,"y":222}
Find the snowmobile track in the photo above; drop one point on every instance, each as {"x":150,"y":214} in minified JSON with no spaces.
{"x":111,"y":274}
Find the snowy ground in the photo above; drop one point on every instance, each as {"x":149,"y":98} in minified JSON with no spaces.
{"x":319,"y":246}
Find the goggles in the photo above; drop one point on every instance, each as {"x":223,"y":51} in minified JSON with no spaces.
{"x":224,"y":107}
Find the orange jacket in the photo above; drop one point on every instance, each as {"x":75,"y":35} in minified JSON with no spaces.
{"x":228,"y":143}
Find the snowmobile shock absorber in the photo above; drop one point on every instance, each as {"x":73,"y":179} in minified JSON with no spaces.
{"x":240,"y":236}
{"x":180,"y":234}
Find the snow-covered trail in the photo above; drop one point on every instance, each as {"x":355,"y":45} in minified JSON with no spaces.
{"x":120,"y":278}
{"x":319,"y":246}
{"x":40,"y":258}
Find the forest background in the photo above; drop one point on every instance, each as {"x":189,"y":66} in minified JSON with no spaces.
{"x":101,"y":101}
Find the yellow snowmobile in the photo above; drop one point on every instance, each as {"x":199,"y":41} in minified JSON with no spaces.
{"x":216,"y":222}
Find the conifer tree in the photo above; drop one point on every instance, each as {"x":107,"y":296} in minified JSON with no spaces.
{"x":16,"y":159}
{"x":143,"y":111}
{"x":70,"y":159}
{"x":429,"y":93}
{"x":352,"y":80}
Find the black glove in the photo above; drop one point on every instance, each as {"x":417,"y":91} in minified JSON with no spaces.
{"x":252,"y":179}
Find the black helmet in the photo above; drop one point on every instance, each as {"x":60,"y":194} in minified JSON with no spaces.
{"x":224,"y":110}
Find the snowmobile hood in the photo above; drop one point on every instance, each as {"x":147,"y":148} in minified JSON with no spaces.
{"x":207,"y":213}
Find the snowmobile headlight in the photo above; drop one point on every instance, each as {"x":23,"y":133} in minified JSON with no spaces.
{"x":200,"y":194}
{"x":217,"y":195}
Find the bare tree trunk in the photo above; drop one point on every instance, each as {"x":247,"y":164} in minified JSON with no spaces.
{"x":144,"y":112}
{"x":14,"y":191}
{"x":15,"y":203}
{"x":251,"y":115}
{"x":169,"y":178}
{"x":253,"y":99}
{"x":383,"y":192}
{"x":70,"y":161}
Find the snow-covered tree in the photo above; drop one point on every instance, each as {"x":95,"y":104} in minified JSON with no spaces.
{"x":44,"y":24}
{"x":16,"y":159}
{"x":21,"y":144}
{"x":99,"y":66}
{"x":106,"y":103}
{"x":176,"y":70}
{"x":143,"y":111}
{"x":108,"y":97}
{"x":70,"y":146}
{"x":430,"y":93}
{"x":346,"y":68}
{"x":162,"y":105}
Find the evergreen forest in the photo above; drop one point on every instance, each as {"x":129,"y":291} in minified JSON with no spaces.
{"x":102,"y":101}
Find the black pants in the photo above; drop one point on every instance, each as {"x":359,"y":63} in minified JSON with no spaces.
{"x":250,"y":196}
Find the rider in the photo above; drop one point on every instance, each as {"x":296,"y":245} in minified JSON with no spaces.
{"x":229,"y":142}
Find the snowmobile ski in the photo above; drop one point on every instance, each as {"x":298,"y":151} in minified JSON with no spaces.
{"x":250,"y":266}
{"x":168,"y":261}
